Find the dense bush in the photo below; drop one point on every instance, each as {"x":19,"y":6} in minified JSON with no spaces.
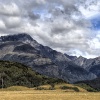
{"x":40,"y":88}
{"x":14,"y":74}
{"x":71,"y":88}
{"x":86,"y":87}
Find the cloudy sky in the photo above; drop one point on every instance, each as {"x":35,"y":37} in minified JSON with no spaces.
{"x":69,"y":26}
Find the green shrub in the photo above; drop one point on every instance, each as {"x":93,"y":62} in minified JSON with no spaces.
{"x":71,"y":88}
{"x":40,"y":88}
{"x":76,"y":89}
{"x":86,"y":87}
{"x":51,"y":88}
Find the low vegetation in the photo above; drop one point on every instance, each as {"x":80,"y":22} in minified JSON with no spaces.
{"x":70,"y":88}
{"x":94,"y":84}
{"x":87,"y":87}
{"x":16,"y":74}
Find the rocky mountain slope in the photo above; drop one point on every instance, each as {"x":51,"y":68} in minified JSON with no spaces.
{"x":91,"y":65}
{"x":24,"y":49}
{"x":86,"y":63}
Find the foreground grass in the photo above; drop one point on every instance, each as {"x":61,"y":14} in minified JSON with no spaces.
{"x":47,"y":95}
{"x":24,"y":93}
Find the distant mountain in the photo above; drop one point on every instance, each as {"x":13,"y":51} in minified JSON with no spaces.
{"x":93,"y":66}
{"x":24,"y":49}
{"x":82,"y":62}
{"x":71,"y":57}
{"x":95,"y":69}
{"x":85,"y":63}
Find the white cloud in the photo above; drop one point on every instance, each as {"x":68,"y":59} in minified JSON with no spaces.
{"x":90,"y":8}
{"x":63,"y":25}
{"x":9,"y":9}
{"x":12,"y":22}
{"x":2,"y":25}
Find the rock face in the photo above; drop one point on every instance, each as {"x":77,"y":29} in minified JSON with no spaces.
{"x":71,"y":57}
{"x":24,"y":49}
{"x":95,"y":69}
{"x":91,"y":65}
{"x":86,"y":63}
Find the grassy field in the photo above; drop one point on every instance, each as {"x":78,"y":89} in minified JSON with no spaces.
{"x":47,"y":95}
{"x":23,"y":93}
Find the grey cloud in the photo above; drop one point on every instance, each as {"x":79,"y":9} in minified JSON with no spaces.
{"x":34,"y":16}
{"x":50,"y":22}
{"x":69,"y":6}
{"x":56,"y":11}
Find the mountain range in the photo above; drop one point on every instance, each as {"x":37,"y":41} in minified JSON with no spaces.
{"x":24,"y":49}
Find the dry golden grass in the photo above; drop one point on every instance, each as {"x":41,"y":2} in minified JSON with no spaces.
{"x":16,"y":88}
{"x":47,"y":95}
{"x":23,"y":93}
{"x":59,"y":85}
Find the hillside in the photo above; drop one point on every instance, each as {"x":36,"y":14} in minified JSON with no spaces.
{"x":92,"y":85}
{"x":16,"y":74}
